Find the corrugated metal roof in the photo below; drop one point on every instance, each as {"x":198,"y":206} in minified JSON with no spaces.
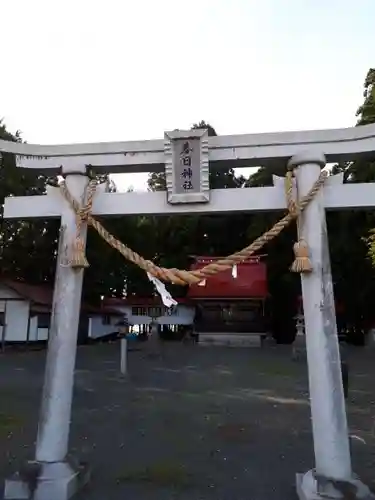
{"x":38,"y":294}
{"x":41,"y":297}
{"x":139,"y":301}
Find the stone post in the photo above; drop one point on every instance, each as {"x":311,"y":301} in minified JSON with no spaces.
{"x":51,"y":475}
{"x":333,"y":470}
{"x":124,"y":355}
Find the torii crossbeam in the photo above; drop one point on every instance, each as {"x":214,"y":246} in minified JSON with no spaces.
{"x":307,"y":152}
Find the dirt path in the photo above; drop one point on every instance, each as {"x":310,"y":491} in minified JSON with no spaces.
{"x":197,"y":423}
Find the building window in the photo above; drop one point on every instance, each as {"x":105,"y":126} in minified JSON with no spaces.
{"x":2,"y":319}
{"x":139,"y":311}
{"x":154,"y":312}
{"x":106,"y":320}
{"x":44,"y":320}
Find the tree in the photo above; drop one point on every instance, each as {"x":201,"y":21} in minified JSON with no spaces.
{"x":351,"y":253}
{"x":28,"y":247}
{"x":23,"y":242}
{"x":353,"y":276}
{"x":170,"y":240}
{"x":219,"y":177}
{"x":284,"y":286}
{"x":366,"y":111}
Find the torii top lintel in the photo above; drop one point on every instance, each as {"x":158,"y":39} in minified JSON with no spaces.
{"x":227,"y":150}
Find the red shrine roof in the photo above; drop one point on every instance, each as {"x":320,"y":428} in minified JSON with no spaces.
{"x":133,"y":300}
{"x":248,"y":280}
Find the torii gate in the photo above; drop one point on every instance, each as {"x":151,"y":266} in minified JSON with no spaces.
{"x":308,"y":152}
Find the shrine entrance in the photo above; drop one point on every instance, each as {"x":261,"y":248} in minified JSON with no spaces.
{"x":233,"y":301}
{"x":304,"y":194}
{"x":247,"y":316}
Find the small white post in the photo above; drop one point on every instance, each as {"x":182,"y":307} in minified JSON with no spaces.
{"x":3,"y":335}
{"x":329,"y":423}
{"x":124,"y":356}
{"x":4,"y":329}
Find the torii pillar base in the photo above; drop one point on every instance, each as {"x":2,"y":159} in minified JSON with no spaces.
{"x":308,"y":488}
{"x":47,"y":481}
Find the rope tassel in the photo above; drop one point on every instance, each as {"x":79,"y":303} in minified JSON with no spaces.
{"x":79,"y":260}
{"x":302,"y":262}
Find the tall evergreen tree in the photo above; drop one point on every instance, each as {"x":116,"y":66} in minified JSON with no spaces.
{"x":353,"y":273}
{"x":27,"y":247}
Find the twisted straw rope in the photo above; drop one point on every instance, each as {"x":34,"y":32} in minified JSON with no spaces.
{"x":302,"y":262}
{"x":183,"y":277}
{"x":290,"y":201}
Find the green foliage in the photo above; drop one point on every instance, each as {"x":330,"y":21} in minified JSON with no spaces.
{"x":28,"y":248}
{"x":10,"y":423}
{"x":352,"y":242}
{"x":159,"y":474}
{"x":366,"y":112}
{"x":23,"y":242}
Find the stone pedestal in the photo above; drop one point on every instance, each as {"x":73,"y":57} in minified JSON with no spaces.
{"x":308,"y":488}
{"x":370,"y":339}
{"x":46,"y":481}
{"x":230,"y":339}
{"x":299,"y":347}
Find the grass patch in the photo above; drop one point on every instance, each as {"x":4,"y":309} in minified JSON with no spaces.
{"x":9,"y":423}
{"x":278,"y":369}
{"x":159,"y":474}
{"x":232,"y":432}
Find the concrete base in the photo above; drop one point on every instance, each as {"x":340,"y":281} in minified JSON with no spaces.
{"x":300,"y":342}
{"x":230,"y":339}
{"x":370,"y":338}
{"x":46,"y":481}
{"x":308,"y":489}
{"x":299,"y":348}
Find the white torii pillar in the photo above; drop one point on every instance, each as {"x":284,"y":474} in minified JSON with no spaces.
{"x":52,"y":476}
{"x":332,"y":476}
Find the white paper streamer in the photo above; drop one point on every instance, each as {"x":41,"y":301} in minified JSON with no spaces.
{"x":166,"y":297}
{"x":234,"y":271}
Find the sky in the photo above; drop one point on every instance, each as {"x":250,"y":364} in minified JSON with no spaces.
{"x":90,"y":71}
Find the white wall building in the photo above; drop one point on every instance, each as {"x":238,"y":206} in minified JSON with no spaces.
{"x":25,"y":315}
{"x":142,"y":311}
{"x":102,"y":324}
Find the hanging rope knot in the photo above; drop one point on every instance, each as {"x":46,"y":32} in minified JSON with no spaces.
{"x":302,"y":262}
{"x":83,"y":214}
{"x":292,"y":205}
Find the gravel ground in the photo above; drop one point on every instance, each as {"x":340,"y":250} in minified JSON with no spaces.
{"x":195,"y":423}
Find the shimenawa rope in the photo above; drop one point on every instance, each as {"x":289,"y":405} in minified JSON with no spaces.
{"x":183,"y":277}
